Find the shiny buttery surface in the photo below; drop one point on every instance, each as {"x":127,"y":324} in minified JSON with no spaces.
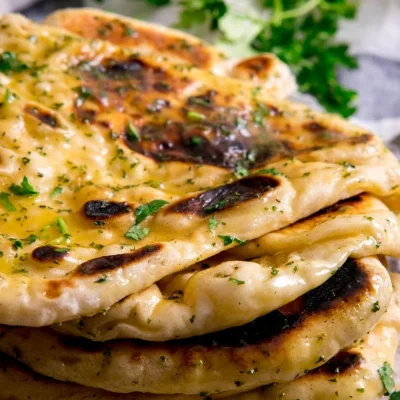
{"x":83,"y":122}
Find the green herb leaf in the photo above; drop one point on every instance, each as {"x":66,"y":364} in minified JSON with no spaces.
{"x":25,"y":189}
{"x":159,"y":2}
{"x":132,"y":133}
{"x":56,"y":192}
{"x":395,"y":396}
{"x":237,"y":281}
{"x":30,"y":239}
{"x":102,"y":279}
{"x":62,"y":226}
{"x":143,"y":211}
{"x":270,"y":171}
{"x":6,"y":203}
{"x":9,"y":97}
{"x":17,"y":244}
{"x":386,"y":374}
{"x":260,"y":113}
{"x":230,"y":239}
{"x":240,"y":170}
{"x":201,"y":11}
{"x":137,"y":233}
{"x":213,"y":223}
{"x":195,"y":116}
{"x":9,"y":62}
{"x":376,"y":307}
{"x":196,"y":140}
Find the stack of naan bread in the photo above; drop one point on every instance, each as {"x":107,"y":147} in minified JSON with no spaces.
{"x":171,"y":228}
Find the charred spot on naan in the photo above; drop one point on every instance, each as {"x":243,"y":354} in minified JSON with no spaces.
{"x":105,"y":264}
{"x":352,"y":205}
{"x":124,"y":85}
{"x":208,"y":133}
{"x":131,"y":34}
{"x":44,"y":116}
{"x":49,"y":253}
{"x":343,"y":363}
{"x":104,"y":209}
{"x":226,"y":196}
{"x":264,"y":334}
{"x":254,"y":68}
{"x":324,"y":135}
{"x":348,"y":284}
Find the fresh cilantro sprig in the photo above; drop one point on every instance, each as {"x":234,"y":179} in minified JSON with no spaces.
{"x":9,"y":62}
{"x":300,"y":32}
{"x":386,"y":375}
{"x":143,"y":211}
{"x":25,"y":189}
{"x":137,"y":232}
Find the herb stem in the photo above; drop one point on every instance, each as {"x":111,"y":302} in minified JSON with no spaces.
{"x":299,"y":11}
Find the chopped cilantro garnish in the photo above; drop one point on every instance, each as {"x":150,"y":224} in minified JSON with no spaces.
{"x":9,"y":97}
{"x":62,"y":226}
{"x":270,"y":171}
{"x":237,"y":281}
{"x":132,"y":133}
{"x":376,"y":307}
{"x":61,"y":250}
{"x":241,"y":171}
{"x":6,"y":203}
{"x":386,"y":374}
{"x":10,"y":63}
{"x":395,"y":395}
{"x":16,"y":244}
{"x":84,"y":93}
{"x":56,"y":192}
{"x":274,"y":271}
{"x":25,"y":189}
{"x":195,"y":116}
{"x":348,"y":165}
{"x":143,"y":211}
{"x":30,"y":239}
{"x":102,"y":279}
{"x":196,"y":140}
{"x":213,"y":223}
{"x":230,"y":239}
{"x":260,"y":113}
{"x":137,"y":233}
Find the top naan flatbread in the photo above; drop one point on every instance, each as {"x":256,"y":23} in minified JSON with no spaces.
{"x":105,"y":136}
{"x":265,"y":70}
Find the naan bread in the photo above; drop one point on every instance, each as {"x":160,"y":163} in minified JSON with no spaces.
{"x":353,"y":373}
{"x":235,"y":289}
{"x":265,"y":70}
{"x":275,"y":348}
{"x":106,"y":135}
{"x":352,"y":369}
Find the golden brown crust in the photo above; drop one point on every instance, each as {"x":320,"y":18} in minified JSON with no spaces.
{"x":277,"y":347}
